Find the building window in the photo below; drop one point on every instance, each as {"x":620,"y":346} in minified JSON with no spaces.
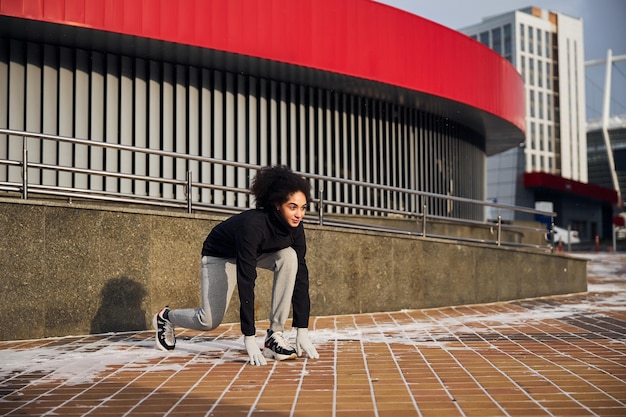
{"x":496,"y":40}
{"x":484,"y":38}
{"x":531,"y":71}
{"x":539,"y":43}
{"x":531,"y":41}
{"x":548,"y":106}
{"x":522,"y":37}
{"x":547,"y":45}
{"x":539,"y":73}
{"x":508,"y":43}
{"x":532,"y":103}
{"x":550,"y":139}
{"x":540,"y":99}
{"x":548,"y":79}
{"x":523,"y":68}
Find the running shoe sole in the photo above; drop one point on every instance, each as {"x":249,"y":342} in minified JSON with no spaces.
{"x":270,"y":354}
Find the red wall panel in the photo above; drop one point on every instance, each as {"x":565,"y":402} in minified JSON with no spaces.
{"x":554,"y":182}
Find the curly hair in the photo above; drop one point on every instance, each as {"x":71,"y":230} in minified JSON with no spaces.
{"x":274,"y":184}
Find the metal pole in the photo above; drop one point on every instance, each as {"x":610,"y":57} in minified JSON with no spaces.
{"x":25,"y":173}
{"x":569,"y":237}
{"x":189,"y":192}
{"x":606,"y":113}
{"x":424,"y":220}
{"x":499,"y":237}
{"x":320,"y":212}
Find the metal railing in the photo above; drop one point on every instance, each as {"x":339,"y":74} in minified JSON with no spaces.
{"x":329,"y":212}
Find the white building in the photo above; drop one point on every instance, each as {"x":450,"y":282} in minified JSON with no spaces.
{"x":546,"y":47}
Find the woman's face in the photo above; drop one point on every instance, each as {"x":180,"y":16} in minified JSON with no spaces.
{"x":294,"y":208}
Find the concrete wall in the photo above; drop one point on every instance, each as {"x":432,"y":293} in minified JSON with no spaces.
{"x":75,"y":269}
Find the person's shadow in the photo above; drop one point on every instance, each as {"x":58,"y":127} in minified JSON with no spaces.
{"x":120,"y":307}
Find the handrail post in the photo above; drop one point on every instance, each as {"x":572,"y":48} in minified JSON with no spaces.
{"x":552,"y":234}
{"x":25,"y":174}
{"x":424,"y":220}
{"x":320,"y":212}
{"x":189,"y":192}
{"x":499,"y":238}
{"x":569,"y":237}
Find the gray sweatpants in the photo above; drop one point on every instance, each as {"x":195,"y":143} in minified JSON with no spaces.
{"x":218,"y":279}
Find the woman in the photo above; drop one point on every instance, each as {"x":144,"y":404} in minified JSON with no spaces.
{"x":270,"y":237}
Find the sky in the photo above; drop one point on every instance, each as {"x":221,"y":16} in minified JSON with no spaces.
{"x":604,"y":27}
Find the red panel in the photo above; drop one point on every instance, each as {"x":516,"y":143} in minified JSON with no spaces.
{"x":151,"y":18}
{"x":553,"y":182}
{"x":114,"y":18}
{"x":95,"y":13}
{"x":54,"y":10}
{"x":132,"y":15}
{"x":359,"y":38}
{"x":76,"y":14}
{"x":33,"y":5}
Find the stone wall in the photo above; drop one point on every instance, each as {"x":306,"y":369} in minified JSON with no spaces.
{"x":69,"y":268}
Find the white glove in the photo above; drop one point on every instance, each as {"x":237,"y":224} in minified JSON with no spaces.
{"x":304,"y":343}
{"x":256,"y":357}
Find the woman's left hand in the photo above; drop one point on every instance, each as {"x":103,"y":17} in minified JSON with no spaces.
{"x":303,"y":343}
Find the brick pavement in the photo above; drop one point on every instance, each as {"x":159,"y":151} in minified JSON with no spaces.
{"x":552,"y":356}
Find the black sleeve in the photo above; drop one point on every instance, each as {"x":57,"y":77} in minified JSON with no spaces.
{"x":246,"y":244}
{"x":301,"y":301}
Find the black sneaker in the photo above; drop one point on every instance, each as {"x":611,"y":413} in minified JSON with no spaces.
{"x":165,"y":339}
{"x":276,"y":347}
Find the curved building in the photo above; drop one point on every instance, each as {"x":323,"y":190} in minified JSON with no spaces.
{"x":351,"y":89}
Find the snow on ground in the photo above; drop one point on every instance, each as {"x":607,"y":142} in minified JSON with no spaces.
{"x":606,"y":272}
{"x":75,"y":361}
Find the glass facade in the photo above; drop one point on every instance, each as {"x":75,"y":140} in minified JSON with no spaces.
{"x":239,"y":117}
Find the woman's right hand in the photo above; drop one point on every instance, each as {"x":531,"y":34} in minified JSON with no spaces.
{"x":256,"y":357}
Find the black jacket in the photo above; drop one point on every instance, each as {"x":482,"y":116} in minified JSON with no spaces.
{"x":247,"y":235}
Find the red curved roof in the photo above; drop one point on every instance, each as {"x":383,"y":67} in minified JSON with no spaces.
{"x":566,"y":185}
{"x":359,"y":38}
